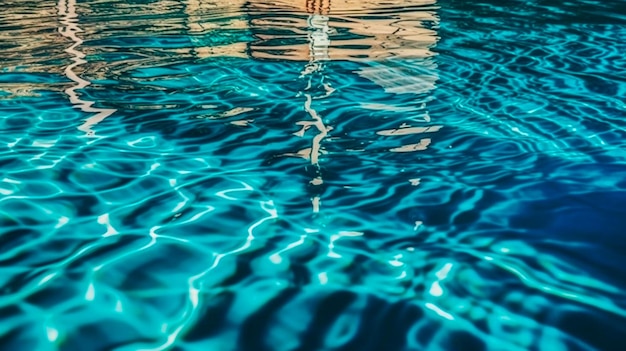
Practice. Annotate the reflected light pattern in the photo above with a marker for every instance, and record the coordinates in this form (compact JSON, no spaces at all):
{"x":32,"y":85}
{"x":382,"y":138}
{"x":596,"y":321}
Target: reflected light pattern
{"x":70,"y":30}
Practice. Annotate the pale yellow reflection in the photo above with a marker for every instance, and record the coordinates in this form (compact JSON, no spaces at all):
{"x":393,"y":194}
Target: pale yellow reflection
{"x":406,"y":130}
{"x":70,"y":28}
{"x":422,"y":145}
{"x":231,"y":113}
{"x":242,"y":123}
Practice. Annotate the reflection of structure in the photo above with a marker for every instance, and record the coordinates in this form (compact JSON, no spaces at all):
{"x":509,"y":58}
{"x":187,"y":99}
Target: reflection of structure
{"x":69,"y":19}
{"x":365,"y":30}
{"x":30,"y":48}
{"x":371,"y":29}
{"x":384,"y":35}
{"x":319,"y":44}
{"x":390,"y":39}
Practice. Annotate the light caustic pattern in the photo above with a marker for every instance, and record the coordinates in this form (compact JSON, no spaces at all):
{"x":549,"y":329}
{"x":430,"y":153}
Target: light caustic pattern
{"x":312,"y":175}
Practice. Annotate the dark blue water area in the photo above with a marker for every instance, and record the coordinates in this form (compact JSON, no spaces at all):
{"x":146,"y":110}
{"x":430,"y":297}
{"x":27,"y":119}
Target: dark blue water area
{"x":544,"y":77}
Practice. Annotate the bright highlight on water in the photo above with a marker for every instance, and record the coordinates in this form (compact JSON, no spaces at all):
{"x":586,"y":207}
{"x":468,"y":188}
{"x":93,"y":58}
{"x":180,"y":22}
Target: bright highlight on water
{"x":312,"y":175}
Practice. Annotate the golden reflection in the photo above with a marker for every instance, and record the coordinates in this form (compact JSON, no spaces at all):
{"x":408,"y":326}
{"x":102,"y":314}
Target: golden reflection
{"x":70,"y":28}
{"x":363,"y":30}
{"x":323,"y":30}
{"x":369,"y":31}
{"x":203,"y":17}
{"x":31,"y":45}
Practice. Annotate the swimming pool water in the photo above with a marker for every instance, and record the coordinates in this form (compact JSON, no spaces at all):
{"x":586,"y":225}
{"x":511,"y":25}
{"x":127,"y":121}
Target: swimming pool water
{"x":312,"y":175}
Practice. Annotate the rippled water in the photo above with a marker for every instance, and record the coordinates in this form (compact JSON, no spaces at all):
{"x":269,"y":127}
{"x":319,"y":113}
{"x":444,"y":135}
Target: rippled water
{"x":312,"y":175}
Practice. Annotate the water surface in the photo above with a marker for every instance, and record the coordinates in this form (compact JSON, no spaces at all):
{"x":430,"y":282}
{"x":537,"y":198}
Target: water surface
{"x":312,"y":175}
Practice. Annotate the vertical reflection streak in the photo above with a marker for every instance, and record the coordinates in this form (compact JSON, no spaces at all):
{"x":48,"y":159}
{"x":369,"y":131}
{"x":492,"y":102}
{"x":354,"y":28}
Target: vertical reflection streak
{"x":319,"y":43}
{"x":70,"y":28}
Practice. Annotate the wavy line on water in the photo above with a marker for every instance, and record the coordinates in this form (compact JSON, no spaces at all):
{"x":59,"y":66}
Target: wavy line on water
{"x":69,"y":18}
{"x":318,"y":52}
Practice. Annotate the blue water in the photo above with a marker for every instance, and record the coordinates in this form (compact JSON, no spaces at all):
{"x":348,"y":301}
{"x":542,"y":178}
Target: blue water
{"x":312,"y":175}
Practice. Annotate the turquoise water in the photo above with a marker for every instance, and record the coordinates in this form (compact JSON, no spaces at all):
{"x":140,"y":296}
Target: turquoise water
{"x":313,"y":175}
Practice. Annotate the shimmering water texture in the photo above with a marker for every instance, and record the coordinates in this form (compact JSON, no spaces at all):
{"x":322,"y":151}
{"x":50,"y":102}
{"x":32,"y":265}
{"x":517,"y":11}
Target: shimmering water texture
{"x":312,"y":175}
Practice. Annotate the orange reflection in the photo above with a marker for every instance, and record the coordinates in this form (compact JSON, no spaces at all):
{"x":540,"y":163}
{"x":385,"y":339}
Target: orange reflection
{"x":350,"y":30}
